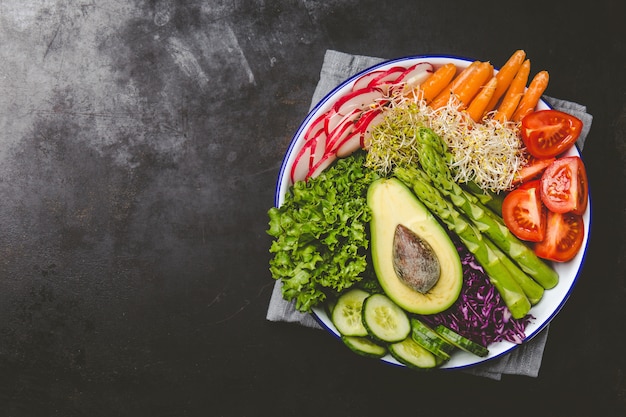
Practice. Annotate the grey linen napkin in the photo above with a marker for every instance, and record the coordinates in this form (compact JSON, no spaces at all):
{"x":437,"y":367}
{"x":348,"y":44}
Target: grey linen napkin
{"x":525,"y":360}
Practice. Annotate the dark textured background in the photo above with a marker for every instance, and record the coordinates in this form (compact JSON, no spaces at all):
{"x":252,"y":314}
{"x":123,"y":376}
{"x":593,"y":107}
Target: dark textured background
{"x":139,"y":147}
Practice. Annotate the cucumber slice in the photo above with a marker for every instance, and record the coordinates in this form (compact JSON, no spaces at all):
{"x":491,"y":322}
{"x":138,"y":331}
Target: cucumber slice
{"x":364,"y":346}
{"x":347,"y":313}
{"x":431,"y":340}
{"x":461,"y":342}
{"x":411,"y":354}
{"x":384,"y":319}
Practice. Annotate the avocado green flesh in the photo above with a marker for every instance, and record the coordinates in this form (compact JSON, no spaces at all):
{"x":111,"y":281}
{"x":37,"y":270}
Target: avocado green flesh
{"x":393,"y":204}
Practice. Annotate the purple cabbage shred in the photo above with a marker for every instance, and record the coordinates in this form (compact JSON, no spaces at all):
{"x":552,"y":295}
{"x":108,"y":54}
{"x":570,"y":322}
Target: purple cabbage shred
{"x":480,"y":313}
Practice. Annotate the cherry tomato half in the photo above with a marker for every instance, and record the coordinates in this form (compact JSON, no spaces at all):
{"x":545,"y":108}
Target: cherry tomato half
{"x":564,"y":237}
{"x":523,"y":212}
{"x":533,"y":169}
{"x":548,"y":133}
{"x":564,"y":186}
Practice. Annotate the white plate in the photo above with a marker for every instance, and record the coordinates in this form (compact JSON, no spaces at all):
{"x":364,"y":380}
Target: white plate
{"x":553,"y":299}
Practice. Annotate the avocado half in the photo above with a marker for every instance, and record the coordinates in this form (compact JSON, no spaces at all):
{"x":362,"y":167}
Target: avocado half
{"x":392,"y":204}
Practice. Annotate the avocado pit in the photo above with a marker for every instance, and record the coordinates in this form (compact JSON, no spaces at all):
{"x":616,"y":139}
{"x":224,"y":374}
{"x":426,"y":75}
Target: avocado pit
{"x":414,"y":260}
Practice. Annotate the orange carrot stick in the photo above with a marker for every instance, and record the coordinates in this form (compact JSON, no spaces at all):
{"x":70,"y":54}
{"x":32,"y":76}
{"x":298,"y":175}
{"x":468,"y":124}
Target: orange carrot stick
{"x":513,"y":94}
{"x":477,"y":106}
{"x":467,"y":90}
{"x":444,"y":96}
{"x":437,"y":81}
{"x":532,"y":95}
{"x":505,"y":77}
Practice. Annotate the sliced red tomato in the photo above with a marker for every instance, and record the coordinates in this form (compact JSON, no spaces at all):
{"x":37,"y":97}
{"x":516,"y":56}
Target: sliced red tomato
{"x":548,"y":133}
{"x":564,"y":186}
{"x":564,"y":237}
{"x":533,"y":169}
{"x":523,"y":212}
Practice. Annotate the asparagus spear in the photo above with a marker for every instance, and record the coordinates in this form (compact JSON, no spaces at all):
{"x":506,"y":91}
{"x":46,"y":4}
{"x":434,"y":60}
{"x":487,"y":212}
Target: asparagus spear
{"x":433,"y":159}
{"x":488,"y":198}
{"x":499,"y":275}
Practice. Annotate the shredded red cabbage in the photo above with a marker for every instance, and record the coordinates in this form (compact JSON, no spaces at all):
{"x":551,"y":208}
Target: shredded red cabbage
{"x":480,"y":314}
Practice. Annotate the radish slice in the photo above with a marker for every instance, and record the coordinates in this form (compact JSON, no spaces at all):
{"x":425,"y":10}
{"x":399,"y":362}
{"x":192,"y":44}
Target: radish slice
{"x":359,"y":99}
{"x":302,"y":164}
{"x":314,"y":127}
{"x":343,"y":129}
{"x":349,"y":145}
{"x":366,"y":132}
{"x":416,"y":74}
{"x":336,"y":120}
{"x":388,"y":77}
{"x":324,"y":163}
{"x":365,"y":79}
{"x":318,"y":149}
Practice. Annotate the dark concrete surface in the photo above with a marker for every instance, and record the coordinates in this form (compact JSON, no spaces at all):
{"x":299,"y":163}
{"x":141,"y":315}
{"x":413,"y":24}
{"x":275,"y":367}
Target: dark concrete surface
{"x":139,"y":147}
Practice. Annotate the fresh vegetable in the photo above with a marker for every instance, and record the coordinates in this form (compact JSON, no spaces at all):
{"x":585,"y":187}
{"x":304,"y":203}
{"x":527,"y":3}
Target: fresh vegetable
{"x":467,"y":90}
{"x":564,"y":186}
{"x":414,"y":76}
{"x":320,"y":233}
{"x":477,"y":106}
{"x":533,"y":169}
{"x":411,"y":354}
{"x":431,"y":340}
{"x":364,"y":346}
{"x":433,"y":157}
{"x":391,"y":204}
{"x":461,"y":342}
{"x":386,"y":114}
{"x":499,"y":275}
{"x":488,"y":198}
{"x":524,"y":214}
{"x":347,"y":313}
{"x":505,"y":77}
{"x":489,"y":153}
{"x":564,"y":237}
{"x":452,"y":88}
{"x":549,"y":133}
{"x":531,"y":288}
{"x":479,"y":314}
{"x":513,"y":94}
{"x":432,"y":86}
{"x":532,"y":95}
{"x":385,"y":320}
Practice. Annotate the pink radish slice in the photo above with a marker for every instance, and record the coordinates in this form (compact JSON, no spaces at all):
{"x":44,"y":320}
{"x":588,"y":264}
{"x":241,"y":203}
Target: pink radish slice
{"x":314,"y":127}
{"x":365,"y":79}
{"x":324,"y":163}
{"x":343,"y":130}
{"x":318,"y":148}
{"x":416,"y":74}
{"x":388,"y":77}
{"x":359,"y":99}
{"x":302,"y":164}
{"x":366,"y":130}
{"x":349,"y":145}
{"x":354,"y":140}
{"x":336,"y":120}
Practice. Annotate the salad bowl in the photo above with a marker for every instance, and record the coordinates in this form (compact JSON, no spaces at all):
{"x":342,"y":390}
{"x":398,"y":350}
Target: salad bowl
{"x":540,"y":314}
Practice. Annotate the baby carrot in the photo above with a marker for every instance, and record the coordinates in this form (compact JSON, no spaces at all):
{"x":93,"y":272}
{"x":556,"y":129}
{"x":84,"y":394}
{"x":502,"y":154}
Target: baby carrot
{"x":477,"y":106}
{"x":466,"y":91}
{"x":437,"y":82}
{"x":513,"y":94}
{"x":505,"y":77}
{"x":444,"y":96}
{"x":532,"y":95}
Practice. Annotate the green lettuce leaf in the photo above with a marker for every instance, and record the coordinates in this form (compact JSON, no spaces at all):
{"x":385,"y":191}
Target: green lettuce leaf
{"x":320,"y":233}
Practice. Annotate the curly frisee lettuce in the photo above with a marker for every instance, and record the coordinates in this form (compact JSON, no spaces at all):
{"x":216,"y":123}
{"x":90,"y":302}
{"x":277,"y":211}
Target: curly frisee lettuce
{"x":321,"y":240}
